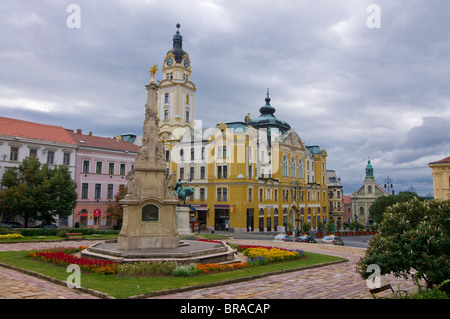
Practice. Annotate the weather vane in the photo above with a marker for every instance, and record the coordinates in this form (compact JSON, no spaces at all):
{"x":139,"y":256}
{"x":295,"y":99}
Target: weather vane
{"x":153,"y":70}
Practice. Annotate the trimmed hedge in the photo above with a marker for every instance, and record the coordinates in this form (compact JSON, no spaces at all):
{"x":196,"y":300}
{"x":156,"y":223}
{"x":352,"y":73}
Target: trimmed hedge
{"x":59,"y":231}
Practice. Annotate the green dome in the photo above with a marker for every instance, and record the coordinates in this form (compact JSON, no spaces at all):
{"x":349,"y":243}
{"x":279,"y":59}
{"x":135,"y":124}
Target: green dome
{"x":267,"y":119}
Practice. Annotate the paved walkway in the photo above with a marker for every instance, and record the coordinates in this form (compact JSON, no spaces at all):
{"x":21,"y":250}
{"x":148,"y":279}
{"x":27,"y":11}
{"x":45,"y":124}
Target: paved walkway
{"x":338,"y":281}
{"x":16,"y":285}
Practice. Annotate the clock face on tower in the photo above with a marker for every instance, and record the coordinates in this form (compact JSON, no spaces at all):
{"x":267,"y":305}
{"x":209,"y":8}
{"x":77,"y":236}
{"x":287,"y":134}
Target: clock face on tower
{"x":169,"y":62}
{"x":186,"y":63}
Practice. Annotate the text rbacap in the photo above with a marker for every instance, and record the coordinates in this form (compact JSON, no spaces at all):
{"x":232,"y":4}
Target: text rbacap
{"x":250,"y":308}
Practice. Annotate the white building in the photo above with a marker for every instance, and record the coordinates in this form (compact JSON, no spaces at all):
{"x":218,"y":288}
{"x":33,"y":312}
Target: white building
{"x":50,"y":144}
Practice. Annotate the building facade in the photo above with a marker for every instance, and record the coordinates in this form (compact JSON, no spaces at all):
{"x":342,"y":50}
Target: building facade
{"x":255,"y":174}
{"x":335,"y":193}
{"x":102,"y":165}
{"x":440,"y":171}
{"x":50,"y":144}
{"x":365,"y":196}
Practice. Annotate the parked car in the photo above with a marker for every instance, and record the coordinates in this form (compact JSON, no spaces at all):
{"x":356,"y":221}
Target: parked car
{"x":333,"y":240}
{"x":5,"y":225}
{"x":14,"y":224}
{"x":306,"y":239}
{"x":282,"y":237}
{"x":46,"y":226}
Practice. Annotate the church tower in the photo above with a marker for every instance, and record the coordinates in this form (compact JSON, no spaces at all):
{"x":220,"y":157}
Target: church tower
{"x":369,"y":171}
{"x":176,"y":94}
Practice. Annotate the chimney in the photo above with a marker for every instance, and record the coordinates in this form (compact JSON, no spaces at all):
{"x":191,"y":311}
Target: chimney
{"x":79,"y":131}
{"x":90,"y":133}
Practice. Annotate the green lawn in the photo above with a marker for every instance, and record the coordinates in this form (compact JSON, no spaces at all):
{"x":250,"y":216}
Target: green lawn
{"x":124,"y":287}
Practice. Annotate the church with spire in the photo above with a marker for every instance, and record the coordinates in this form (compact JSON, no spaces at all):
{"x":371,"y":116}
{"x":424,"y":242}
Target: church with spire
{"x":364,"y":197}
{"x":250,"y":175}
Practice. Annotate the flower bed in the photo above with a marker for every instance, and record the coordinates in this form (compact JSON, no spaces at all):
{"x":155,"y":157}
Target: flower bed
{"x":272,"y":254}
{"x":258,"y":255}
{"x":62,"y":257}
{"x":207,"y":268}
{"x":11,"y":236}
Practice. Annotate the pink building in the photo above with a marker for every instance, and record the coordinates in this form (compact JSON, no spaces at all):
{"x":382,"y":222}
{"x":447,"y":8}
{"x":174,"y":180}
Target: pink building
{"x":101,"y":167}
{"x":347,"y":215}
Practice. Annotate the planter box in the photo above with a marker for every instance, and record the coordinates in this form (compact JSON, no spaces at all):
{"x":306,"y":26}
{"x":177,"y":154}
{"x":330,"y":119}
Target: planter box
{"x":344,"y":233}
{"x":338,"y":233}
{"x":350,"y":233}
{"x":319,"y":235}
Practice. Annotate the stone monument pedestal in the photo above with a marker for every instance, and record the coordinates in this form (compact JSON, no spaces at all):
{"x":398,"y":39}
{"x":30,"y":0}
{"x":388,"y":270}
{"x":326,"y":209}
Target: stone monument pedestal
{"x":148,"y":224}
{"x":182,"y":221}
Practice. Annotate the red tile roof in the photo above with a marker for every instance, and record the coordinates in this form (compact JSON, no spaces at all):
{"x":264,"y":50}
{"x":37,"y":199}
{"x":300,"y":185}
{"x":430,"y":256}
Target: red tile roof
{"x":107,"y":143}
{"x":445,"y":160}
{"x":36,"y":131}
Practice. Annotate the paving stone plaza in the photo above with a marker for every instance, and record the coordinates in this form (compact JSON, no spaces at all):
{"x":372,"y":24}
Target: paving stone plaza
{"x":338,"y":281}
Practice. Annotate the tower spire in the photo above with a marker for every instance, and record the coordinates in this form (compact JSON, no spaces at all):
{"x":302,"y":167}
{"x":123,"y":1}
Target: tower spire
{"x":177,"y":38}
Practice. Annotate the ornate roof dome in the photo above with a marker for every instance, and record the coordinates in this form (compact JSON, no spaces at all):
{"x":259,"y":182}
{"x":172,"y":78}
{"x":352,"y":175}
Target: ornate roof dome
{"x":177,"y":49}
{"x":267,"y":119}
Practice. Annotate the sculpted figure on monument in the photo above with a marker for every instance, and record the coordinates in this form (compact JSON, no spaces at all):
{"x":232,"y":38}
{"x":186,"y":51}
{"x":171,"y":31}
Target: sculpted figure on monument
{"x":182,"y":192}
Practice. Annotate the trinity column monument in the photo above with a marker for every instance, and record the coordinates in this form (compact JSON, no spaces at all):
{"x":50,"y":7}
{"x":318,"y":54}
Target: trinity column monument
{"x":149,"y":208}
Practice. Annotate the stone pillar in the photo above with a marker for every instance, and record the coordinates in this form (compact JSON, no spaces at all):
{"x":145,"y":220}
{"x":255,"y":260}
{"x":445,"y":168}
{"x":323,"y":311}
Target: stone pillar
{"x":182,"y":221}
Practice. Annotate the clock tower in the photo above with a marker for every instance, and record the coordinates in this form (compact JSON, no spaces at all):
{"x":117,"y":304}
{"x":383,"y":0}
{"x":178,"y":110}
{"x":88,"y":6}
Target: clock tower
{"x":176,"y":91}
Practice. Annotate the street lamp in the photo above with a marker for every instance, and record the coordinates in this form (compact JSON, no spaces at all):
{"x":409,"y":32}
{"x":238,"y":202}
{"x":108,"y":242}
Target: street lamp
{"x":388,"y":183}
{"x":295,"y":187}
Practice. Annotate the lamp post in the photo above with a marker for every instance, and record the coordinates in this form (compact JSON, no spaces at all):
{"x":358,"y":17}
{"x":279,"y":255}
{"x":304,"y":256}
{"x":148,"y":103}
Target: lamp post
{"x":388,"y":184}
{"x":295,"y":188}
{"x":412,"y":189}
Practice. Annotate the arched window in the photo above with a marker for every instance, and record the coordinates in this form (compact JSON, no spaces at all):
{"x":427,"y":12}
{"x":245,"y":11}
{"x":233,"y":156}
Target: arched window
{"x":293,"y":166}
{"x":300,"y":169}
{"x":369,"y":189}
{"x":285,"y":165}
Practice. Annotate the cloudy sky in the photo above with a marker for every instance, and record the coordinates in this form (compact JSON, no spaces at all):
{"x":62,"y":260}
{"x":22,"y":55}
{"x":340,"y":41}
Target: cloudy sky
{"x":360,"y":82}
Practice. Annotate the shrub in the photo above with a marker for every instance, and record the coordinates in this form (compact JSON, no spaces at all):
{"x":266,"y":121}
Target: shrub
{"x":7,"y":230}
{"x":185,"y":271}
{"x":258,"y":261}
{"x":413,"y":235}
{"x":143,"y":268}
{"x":440,"y":291}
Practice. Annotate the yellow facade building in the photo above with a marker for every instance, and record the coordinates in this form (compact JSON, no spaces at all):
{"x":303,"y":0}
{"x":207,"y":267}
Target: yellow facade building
{"x":255,"y":174}
{"x":441,"y":178}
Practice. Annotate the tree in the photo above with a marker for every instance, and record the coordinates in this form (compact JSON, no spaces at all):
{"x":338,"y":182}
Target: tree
{"x":379,"y":206}
{"x":414,"y":235}
{"x":38,"y":191}
{"x":116,"y":209}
